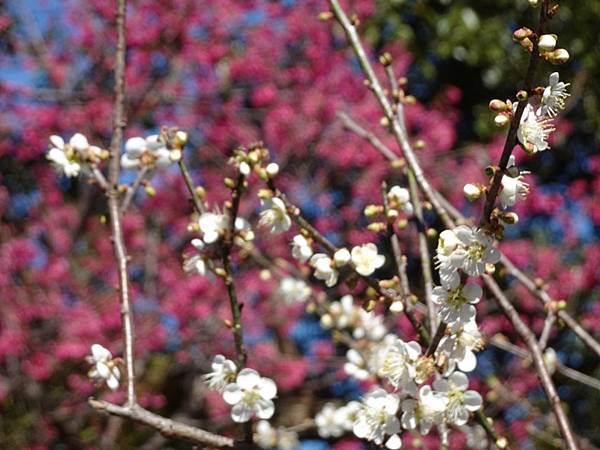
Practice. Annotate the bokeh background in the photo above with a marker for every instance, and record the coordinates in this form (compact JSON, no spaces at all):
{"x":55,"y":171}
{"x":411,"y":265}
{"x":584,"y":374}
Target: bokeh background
{"x":233,"y":72}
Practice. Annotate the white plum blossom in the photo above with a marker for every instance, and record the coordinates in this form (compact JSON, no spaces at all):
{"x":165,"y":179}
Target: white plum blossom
{"x":366,"y":259}
{"x":196,"y":262}
{"x":250,"y":395}
{"x":293,"y":290}
{"x":324,"y":269}
{"x":267,"y":437}
{"x":356,"y":366}
{"x":399,"y":365}
{"x":214,"y":224}
{"x":476,"y":437}
{"x":424,"y":411}
{"x":301,"y":249}
{"x":223,"y":373}
{"x":148,"y":152}
{"x":377,"y":419}
{"x":70,"y":158}
{"x":460,"y":346}
{"x":104,"y":368}
{"x":342,"y":257}
{"x":345,"y":314}
{"x":513,"y":186}
{"x":369,"y":325}
{"x":274,"y":215}
{"x":456,"y":305}
{"x":330,"y":421}
{"x":461,"y":401}
{"x":471,"y":253}
{"x":399,"y":198}
{"x":554,"y":96}
{"x":534,"y":130}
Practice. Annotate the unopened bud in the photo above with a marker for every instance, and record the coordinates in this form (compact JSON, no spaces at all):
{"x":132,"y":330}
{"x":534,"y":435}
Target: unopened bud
{"x":501,"y":120}
{"x":175,"y":155}
{"x":384,"y":122}
{"x":325,"y":16}
{"x":150,"y":190}
{"x":534,"y":3}
{"x":419,"y":144}
{"x":559,"y":56}
{"x":498,"y":105}
{"x":522,"y":95}
{"x":397,"y":307}
{"x":272,"y":169}
{"x":341,"y":257}
{"x":522,"y":33}
{"x":386,"y":59}
{"x":244,"y":168}
{"x":410,"y":100}
{"x":399,"y":163}
{"x":181,"y":138}
{"x":510,"y":218}
{"x":373,"y":210}
{"x":229,"y":183}
{"x":501,"y":442}
{"x":547,"y":42}
{"x":376,"y":227}
{"x":472,"y":192}
{"x":200,"y":192}
{"x":392,"y":214}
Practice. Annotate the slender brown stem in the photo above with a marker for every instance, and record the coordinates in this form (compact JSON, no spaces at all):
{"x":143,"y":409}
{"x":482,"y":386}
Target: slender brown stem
{"x":131,"y":190}
{"x":538,"y":361}
{"x":167,"y":427}
{"x":190,"y":186}
{"x":113,"y":202}
{"x":511,"y":138}
{"x":423,"y":252}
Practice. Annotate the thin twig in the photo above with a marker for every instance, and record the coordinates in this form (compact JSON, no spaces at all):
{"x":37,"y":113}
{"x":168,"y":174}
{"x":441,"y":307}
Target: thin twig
{"x":131,"y":190}
{"x":538,"y":360}
{"x":113,"y":202}
{"x":423,"y":252}
{"x":190,"y":186}
{"x":545,"y":335}
{"x":167,"y":427}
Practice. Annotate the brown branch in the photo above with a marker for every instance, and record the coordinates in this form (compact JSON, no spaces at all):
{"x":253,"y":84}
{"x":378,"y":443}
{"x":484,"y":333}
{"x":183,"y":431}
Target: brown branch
{"x":190,"y":186}
{"x":167,"y":427}
{"x":113,"y":202}
{"x":511,"y":138}
{"x":131,"y":190}
{"x":538,"y":361}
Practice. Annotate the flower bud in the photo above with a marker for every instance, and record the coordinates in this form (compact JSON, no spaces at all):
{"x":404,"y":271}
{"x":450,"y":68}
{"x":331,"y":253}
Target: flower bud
{"x":341,"y":257}
{"x":522,"y":33}
{"x":385,"y":59}
{"x":498,"y":105}
{"x":373,"y":210}
{"x":200,"y":192}
{"x":244,"y":168}
{"x":559,"y":56}
{"x":272,"y":169}
{"x":501,"y":120}
{"x":534,"y":3}
{"x":472,"y":192}
{"x":181,"y":138}
{"x":325,"y":16}
{"x":150,"y":190}
{"x":522,"y":95}
{"x":547,"y":42}
{"x":396,"y":307}
{"x":175,"y":155}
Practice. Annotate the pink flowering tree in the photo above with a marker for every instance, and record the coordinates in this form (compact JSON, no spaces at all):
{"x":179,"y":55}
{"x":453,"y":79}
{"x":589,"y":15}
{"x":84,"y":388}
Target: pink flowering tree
{"x":232,"y":224}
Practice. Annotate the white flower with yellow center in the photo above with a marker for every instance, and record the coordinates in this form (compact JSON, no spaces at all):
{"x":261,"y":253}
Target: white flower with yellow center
{"x":461,"y":401}
{"x":554,"y":96}
{"x":399,"y":365}
{"x":377,"y":419}
{"x":67,"y":158}
{"x":324,"y":269}
{"x":267,"y":437}
{"x":148,"y":152}
{"x":301,"y":249}
{"x":105,"y":368}
{"x":274,"y":215}
{"x":328,"y":422}
{"x":534,"y":130}
{"x":456,"y":305}
{"x":399,"y":198}
{"x":460,"y":346}
{"x":223,"y":372}
{"x":292,"y":290}
{"x":424,"y":411}
{"x":473,"y":251}
{"x":250,"y":395}
{"x":366,"y":259}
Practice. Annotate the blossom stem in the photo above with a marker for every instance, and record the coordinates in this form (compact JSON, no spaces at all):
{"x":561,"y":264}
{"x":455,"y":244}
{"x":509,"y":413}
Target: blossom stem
{"x":511,"y":138}
{"x":398,"y":256}
{"x":167,"y":427}
{"x":113,"y":202}
{"x":190,"y":186}
{"x":131,"y":190}
{"x":536,"y":354}
{"x":226,"y":248}
{"x":423,"y":251}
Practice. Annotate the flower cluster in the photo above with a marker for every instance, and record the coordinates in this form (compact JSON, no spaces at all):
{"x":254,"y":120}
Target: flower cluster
{"x":70,"y":158}
{"x":150,"y":152}
{"x":104,"y":368}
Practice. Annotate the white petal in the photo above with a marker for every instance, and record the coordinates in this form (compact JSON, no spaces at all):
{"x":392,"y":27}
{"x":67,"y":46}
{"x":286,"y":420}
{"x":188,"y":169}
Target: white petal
{"x":135,"y":146}
{"x":103,"y":370}
{"x":267,"y":388}
{"x":469,"y":362}
{"x":265,"y":409}
{"x":241,"y":413}
{"x":232,"y":394}
{"x":79,"y":142}
{"x":394,"y":442}
{"x":472,"y":292}
{"x":459,"y":381}
{"x":100,"y":353}
{"x":472,"y":400}
{"x":57,"y":141}
{"x":127,"y":163}
{"x":248,"y":379}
